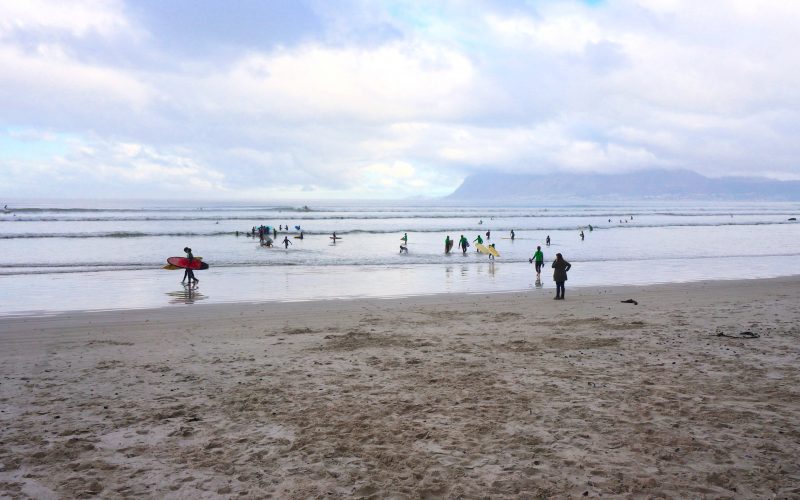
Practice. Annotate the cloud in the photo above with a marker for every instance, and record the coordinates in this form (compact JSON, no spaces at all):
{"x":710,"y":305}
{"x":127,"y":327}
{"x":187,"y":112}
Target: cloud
{"x":392,"y":99}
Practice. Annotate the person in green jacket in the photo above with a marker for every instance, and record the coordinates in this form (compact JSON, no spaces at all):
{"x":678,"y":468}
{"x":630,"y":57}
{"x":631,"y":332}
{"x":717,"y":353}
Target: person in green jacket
{"x":538,"y":257}
{"x":478,"y":240}
{"x":463,"y":243}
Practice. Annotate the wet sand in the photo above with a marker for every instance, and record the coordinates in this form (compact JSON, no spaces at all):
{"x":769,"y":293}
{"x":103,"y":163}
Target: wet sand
{"x":451,"y":396}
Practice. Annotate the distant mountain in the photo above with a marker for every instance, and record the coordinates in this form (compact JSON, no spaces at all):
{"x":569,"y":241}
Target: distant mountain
{"x":645,"y":184}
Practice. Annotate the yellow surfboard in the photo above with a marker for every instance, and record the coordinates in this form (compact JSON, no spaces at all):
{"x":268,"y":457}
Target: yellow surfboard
{"x":493,"y":251}
{"x":481,"y":248}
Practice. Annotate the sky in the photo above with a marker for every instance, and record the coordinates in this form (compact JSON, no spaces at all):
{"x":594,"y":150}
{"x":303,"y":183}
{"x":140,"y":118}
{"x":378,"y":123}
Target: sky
{"x":275,"y":99}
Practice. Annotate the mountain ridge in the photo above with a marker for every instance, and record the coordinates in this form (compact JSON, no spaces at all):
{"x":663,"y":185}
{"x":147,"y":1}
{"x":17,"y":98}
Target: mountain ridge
{"x":642,"y":184}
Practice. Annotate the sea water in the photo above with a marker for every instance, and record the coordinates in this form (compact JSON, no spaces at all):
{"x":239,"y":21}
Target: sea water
{"x":69,"y":255}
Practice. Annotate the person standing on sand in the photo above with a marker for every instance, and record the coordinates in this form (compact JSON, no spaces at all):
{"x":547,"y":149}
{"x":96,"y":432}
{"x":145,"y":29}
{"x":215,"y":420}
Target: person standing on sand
{"x":188,"y":273}
{"x":538,"y":258}
{"x":561,"y":267}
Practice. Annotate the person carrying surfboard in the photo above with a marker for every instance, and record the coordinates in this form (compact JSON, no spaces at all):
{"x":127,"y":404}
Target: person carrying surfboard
{"x":463,"y":243}
{"x":188,"y":273}
{"x":405,"y":238}
{"x":478,"y":240}
{"x":448,"y":244}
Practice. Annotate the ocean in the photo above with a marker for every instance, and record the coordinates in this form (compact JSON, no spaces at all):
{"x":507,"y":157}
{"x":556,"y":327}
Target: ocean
{"x":96,"y":255}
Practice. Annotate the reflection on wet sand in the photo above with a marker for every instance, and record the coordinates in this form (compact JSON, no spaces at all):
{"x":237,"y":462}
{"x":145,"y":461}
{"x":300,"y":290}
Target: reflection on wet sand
{"x":188,"y":295}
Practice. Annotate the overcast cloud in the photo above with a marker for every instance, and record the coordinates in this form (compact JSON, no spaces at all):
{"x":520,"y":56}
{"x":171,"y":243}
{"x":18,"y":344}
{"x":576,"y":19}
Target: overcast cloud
{"x":265,"y":99}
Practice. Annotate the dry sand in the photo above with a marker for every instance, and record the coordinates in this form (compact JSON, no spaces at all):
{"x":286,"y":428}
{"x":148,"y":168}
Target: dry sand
{"x":455,"y":396}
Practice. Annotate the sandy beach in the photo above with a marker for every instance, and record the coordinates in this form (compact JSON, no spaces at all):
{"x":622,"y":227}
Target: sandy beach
{"x":448,"y":396}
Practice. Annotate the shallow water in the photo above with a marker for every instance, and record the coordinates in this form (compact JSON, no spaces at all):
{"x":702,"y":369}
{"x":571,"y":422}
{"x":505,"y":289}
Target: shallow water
{"x":97,"y":255}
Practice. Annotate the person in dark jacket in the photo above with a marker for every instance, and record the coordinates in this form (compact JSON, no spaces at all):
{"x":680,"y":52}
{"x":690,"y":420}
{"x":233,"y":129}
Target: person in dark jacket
{"x":561,"y":267}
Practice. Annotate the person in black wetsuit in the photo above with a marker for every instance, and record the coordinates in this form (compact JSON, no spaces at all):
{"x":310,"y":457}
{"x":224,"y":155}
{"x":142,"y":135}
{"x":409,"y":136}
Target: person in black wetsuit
{"x":188,"y":273}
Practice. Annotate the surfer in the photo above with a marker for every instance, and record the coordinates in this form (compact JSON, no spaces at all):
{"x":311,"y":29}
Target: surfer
{"x":286,"y":242}
{"x":547,"y":241}
{"x":488,"y":235}
{"x":479,"y":240}
{"x":581,"y":234}
{"x":334,"y":237}
{"x":561,"y":267}
{"x":448,"y":244}
{"x":301,"y":236}
{"x":538,"y":258}
{"x":405,"y":238}
{"x":463,"y":243}
{"x":274,"y":233}
{"x":491,"y":256}
{"x":512,"y":235}
{"x":188,"y":273}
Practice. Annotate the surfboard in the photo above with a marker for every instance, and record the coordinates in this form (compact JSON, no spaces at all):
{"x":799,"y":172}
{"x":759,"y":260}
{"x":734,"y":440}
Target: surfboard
{"x":336,"y":238}
{"x":481,"y":248}
{"x":299,"y":238}
{"x":493,"y":251}
{"x":183,"y":263}
{"x":172,"y":267}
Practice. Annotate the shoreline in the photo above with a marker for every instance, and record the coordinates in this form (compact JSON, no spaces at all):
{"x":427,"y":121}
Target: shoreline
{"x":418,"y":299}
{"x":503,"y":394}
{"x":147,"y":290}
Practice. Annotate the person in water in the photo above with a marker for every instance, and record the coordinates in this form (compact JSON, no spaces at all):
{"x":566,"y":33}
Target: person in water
{"x":561,"y":267}
{"x":448,"y":244}
{"x":286,"y":242}
{"x":188,"y":273}
{"x":479,"y":240}
{"x":488,"y":235}
{"x":405,"y":238}
{"x":582,"y":235}
{"x":463,"y":243}
{"x":274,"y":233}
{"x":301,"y":235}
{"x":491,"y":257}
{"x":512,"y":235}
{"x":538,"y":258}
{"x":547,"y":241}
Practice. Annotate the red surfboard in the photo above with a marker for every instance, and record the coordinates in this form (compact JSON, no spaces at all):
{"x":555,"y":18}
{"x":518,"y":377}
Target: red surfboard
{"x":184,"y":263}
